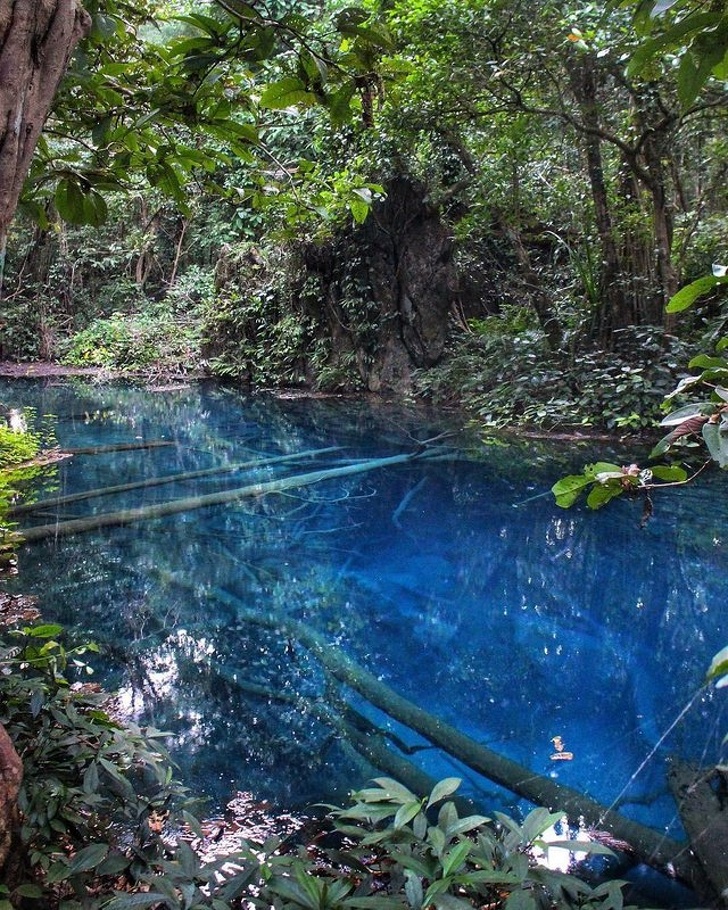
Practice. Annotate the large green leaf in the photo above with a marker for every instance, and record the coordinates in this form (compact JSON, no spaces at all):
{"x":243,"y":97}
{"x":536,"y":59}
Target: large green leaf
{"x":287,"y":92}
{"x":717,"y":443}
{"x":88,"y":858}
{"x":69,"y":201}
{"x":687,"y":296}
{"x":602,"y":493}
{"x":568,"y":489}
{"x":670,"y":473}
{"x":443,"y":789}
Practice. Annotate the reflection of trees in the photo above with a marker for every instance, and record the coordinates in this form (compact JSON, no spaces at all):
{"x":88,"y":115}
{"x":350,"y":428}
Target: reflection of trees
{"x":514,"y":624}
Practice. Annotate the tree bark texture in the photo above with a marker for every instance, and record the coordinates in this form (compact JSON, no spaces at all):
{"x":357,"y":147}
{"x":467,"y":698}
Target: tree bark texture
{"x":37,"y":38}
{"x":11,"y":776}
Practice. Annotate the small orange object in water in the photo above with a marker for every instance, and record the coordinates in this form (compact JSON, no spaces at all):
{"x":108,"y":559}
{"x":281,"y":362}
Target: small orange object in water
{"x":560,"y":754}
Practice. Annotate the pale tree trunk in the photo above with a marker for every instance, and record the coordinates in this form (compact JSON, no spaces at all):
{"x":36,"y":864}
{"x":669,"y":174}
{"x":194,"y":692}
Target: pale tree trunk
{"x":37,"y":38}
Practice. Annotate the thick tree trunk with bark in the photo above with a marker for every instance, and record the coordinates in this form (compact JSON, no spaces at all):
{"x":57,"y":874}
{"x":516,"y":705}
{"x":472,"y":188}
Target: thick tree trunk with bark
{"x":11,"y":775}
{"x":37,"y":38}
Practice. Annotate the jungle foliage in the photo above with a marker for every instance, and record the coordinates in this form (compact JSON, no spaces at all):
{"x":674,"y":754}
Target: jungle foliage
{"x":182,"y":130}
{"x":203,"y":135}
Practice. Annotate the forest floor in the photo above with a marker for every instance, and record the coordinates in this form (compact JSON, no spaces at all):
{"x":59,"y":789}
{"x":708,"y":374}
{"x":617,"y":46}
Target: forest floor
{"x":43,"y":369}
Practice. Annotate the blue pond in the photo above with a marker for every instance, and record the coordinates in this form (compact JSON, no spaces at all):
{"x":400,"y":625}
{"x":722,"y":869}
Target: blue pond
{"x":455,"y":581}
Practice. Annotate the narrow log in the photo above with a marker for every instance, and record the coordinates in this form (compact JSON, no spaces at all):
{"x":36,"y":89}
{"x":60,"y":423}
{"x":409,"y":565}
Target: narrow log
{"x":159,"y":481}
{"x":648,"y":845}
{"x":160,"y":510}
{"x":120,"y":447}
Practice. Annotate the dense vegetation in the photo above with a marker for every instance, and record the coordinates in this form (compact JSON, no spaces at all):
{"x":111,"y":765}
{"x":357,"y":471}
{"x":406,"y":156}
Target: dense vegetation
{"x":538,"y":188}
{"x":483,"y":202}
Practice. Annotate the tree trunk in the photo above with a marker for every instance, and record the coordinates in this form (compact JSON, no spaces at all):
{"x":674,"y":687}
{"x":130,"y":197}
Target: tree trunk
{"x":615,"y":310}
{"x":37,"y":38}
{"x":11,"y":776}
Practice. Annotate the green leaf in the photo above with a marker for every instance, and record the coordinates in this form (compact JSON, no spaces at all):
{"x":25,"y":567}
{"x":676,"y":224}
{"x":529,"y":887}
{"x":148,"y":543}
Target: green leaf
{"x":568,"y":489}
{"x":537,"y":821}
{"x":580,"y":846}
{"x":287,"y":92}
{"x":670,"y":473}
{"x":29,"y":891}
{"x":450,"y":902}
{"x":46,"y":630}
{"x":717,"y":444}
{"x":95,"y":210}
{"x":456,"y":857}
{"x":674,"y":418}
{"x":114,"y":863}
{"x":88,"y":858}
{"x":521,"y":900}
{"x":706,"y":362}
{"x":359,"y":209}
{"x":443,"y":789}
{"x":413,"y":889}
{"x":687,"y":296}
{"x":406,"y":813}
{"x":69,"y":201}
{"x":91,"y":778}
{"x":602,"y":493}
{"x":394,"y":790}
{"x":464,"y":825}
{"x":718,"y":665}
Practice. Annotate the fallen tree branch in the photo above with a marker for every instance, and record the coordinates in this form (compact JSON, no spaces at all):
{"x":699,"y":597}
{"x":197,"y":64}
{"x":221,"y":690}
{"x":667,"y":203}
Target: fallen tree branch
{"x":160,"y":510}
{"x":159,"y":481}
{"x":649,"y":846}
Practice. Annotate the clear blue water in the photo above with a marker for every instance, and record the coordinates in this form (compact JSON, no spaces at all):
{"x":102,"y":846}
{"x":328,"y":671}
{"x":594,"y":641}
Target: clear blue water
{"x":454,"y":581}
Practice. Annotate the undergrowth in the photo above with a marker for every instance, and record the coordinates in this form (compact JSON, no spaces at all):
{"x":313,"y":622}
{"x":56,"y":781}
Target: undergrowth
{"x":509,"y":378}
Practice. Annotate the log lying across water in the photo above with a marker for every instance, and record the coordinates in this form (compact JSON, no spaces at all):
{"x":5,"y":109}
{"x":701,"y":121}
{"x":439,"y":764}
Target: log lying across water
{"x":162,"y":509}
{"x":648,"y":845}
{"x":121,"y":447}
{"x":44,"y":504}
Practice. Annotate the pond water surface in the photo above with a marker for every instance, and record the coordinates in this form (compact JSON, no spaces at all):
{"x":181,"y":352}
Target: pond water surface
{"x":454,"y":581}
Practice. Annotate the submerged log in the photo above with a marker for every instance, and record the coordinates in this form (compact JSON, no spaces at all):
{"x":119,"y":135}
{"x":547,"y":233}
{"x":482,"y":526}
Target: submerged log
{"x":648,"y":846}
{"x":701,"y":797}
{"x":44,"y":504}
{"x":121,"y":447}
{"x":160,"y":510}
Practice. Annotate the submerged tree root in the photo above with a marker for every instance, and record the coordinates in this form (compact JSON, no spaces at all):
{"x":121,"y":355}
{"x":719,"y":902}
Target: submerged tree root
{"x":648,"y":846}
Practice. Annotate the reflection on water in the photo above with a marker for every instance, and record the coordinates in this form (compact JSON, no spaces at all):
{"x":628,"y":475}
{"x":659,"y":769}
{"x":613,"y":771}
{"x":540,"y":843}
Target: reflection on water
{"x":454,"y":581}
